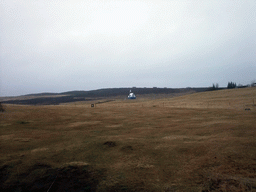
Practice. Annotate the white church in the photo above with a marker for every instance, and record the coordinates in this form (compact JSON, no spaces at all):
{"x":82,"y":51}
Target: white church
{"x":131,"y":95}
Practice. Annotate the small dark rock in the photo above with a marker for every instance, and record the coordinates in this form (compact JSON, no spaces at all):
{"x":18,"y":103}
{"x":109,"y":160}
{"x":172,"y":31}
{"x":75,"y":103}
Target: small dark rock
{"x":110,"y":144}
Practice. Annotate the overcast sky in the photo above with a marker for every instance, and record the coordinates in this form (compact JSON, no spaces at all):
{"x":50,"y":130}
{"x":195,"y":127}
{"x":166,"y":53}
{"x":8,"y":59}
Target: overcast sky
{"x":64,"y":45}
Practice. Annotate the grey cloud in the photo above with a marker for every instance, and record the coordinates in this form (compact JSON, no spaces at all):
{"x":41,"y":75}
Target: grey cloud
{"x":62,"y":45}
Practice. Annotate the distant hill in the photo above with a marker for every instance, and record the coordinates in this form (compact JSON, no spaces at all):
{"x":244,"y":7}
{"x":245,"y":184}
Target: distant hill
{"x":42,"y":94}
{"x":72,"y":96}
{"x":112,"y":92}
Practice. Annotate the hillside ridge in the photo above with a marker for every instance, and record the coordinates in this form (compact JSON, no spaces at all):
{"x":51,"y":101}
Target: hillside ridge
{"x":72,"y":96}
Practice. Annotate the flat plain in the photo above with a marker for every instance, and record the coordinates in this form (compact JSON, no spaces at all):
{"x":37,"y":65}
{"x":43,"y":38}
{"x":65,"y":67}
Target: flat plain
{"x":197,"y":142}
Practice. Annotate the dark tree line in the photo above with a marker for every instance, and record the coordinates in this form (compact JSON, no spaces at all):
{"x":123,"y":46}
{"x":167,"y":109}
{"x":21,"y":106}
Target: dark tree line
{"x":215,"y":86}
{"x":231,"y":85}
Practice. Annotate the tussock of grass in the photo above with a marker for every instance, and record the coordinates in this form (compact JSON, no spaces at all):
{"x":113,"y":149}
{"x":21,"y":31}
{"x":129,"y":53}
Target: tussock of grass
{"x":217,"y":182}
{"x":42,"y":177}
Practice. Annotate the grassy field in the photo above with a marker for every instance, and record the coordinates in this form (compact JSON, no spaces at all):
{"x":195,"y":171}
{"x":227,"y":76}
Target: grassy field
{"x":198,"y":142}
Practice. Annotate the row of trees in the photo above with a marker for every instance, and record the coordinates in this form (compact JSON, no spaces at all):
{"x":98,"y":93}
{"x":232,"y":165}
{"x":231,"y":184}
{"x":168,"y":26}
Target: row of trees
{"x":215,"y":86}
{"x":232,"y":85}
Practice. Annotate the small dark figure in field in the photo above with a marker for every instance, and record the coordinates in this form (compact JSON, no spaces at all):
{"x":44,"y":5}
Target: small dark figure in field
{"x":110,"y":144}
{"x":1,"y":108}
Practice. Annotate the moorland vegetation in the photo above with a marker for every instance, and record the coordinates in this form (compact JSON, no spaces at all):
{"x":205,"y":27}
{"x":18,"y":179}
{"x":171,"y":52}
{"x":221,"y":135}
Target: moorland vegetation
{"x":203,"y":141}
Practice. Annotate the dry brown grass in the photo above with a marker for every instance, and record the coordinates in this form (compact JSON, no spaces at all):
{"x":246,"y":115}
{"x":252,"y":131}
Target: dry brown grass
{"x":199,"y":142}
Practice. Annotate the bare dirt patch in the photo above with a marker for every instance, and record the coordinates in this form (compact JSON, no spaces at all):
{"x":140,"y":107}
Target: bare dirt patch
{"x":82,"y":123}
{"x":7,"y":137}
{"x":39,"y":150}
{"x":114,"y":126}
